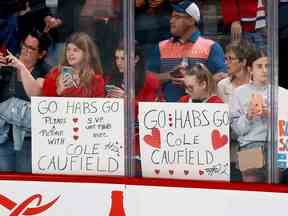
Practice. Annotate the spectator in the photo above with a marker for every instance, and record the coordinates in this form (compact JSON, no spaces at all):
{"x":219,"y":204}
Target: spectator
{"x":103,"y":21}
{"x":15,"y":110}
{"x":200,"y":86}
{"x":249,"y":117}
{"x":61,"y":25}
{"x":147,"y":88}
{"x":11,"y":7}
{"x":151,"y":23}
{"x":246,"y":18}
{"x":85,"y":79}
{"x":236,"y":54}
{"x":187,"y":46}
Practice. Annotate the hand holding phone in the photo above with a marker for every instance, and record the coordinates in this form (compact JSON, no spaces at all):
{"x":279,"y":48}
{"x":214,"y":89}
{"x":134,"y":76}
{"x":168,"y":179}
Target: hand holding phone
{"x":109,"y":88}
{"x":113,"y":91}
{"x":68,"y":77}
{"x":178,"y":72}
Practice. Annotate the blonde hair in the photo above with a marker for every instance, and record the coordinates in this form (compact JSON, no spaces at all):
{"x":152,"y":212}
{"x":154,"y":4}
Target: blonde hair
{"x":203,"y":74}
{"x":91,"y":58}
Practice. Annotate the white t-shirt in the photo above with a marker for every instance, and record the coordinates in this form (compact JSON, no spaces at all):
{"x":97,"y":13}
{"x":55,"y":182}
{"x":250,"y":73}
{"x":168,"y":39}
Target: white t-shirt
{"x":225,"y":89}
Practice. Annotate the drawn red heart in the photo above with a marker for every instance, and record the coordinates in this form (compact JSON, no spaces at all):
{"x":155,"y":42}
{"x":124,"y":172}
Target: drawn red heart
{"x":154,"y":139}
{"x":201,"y":172}
{"x":218,"y":141}
{"x":171,"y":172}
{"x":157,"y":171}
{"x":75,"y":120}
{"x":75,"y":137}
{"x":186,"y":172}
{"x":76,"y":129}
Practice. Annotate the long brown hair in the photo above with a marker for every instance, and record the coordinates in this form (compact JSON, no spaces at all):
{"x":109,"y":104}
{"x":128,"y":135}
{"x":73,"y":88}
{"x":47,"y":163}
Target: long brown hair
{"x":139,"y":68}
{"x":203,"y":74}
{"x":91,"y":57}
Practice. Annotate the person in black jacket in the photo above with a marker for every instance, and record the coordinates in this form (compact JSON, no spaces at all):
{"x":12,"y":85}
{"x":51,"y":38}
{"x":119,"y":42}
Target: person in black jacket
{"x":15,"y":146}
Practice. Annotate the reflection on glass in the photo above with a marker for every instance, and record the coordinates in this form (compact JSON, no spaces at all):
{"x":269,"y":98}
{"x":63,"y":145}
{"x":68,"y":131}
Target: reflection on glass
{"x":199,"y":32}
{"x":59,"y":35}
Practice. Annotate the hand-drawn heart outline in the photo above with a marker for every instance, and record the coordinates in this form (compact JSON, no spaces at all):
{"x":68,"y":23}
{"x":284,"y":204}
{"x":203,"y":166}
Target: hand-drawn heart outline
{"x":75,"y":129}
{"x":154,"y":139}
{"x":75,"y":120}
{"x":218,"y":141}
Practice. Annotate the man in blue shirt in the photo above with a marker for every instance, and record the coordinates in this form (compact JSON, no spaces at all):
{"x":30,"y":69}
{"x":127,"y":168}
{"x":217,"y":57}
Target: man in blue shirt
{"x":185,"y":48}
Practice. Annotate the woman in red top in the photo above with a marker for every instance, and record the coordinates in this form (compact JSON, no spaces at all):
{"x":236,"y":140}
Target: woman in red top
{"x":79,"y":73}
{"x":200,"y":86}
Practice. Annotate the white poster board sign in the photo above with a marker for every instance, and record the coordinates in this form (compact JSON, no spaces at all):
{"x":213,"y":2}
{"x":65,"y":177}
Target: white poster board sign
{"x":78,"y":136}
{"x":282,"y":154}
{"x":184,"y":140}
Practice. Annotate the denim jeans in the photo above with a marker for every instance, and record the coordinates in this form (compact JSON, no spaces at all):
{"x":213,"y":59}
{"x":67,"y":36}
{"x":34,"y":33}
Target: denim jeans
{"x":258,"y":38}
{"x":16,"y":112}
{"x":7,"y":157}
{"x":23,"y":157}
{"x":4,"y":130}
{"x":16,"y":161}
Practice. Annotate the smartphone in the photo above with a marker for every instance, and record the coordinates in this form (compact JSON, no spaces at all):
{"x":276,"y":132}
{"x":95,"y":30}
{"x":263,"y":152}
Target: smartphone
{"x":67,"y":72}
{"x":110,"y":87}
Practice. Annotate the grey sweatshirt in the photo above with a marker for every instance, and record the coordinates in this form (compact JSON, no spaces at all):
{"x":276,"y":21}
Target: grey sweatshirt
{"x":248,"y":131}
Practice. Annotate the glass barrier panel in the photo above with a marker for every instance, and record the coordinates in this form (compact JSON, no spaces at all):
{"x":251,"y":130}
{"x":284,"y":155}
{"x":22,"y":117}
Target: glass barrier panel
{"x":203,"y":90}
{"x":62,"y":108}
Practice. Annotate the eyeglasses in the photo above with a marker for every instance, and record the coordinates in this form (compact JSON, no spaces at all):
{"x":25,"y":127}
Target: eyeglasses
{"x":230,"y":59}
{"x":28,"y":47}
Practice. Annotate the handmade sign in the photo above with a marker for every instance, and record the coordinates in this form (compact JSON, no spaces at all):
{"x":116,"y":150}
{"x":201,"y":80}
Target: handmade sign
{"x":184,"y":140}
{"x":282,"y":155}
{"x":78,"y":136}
